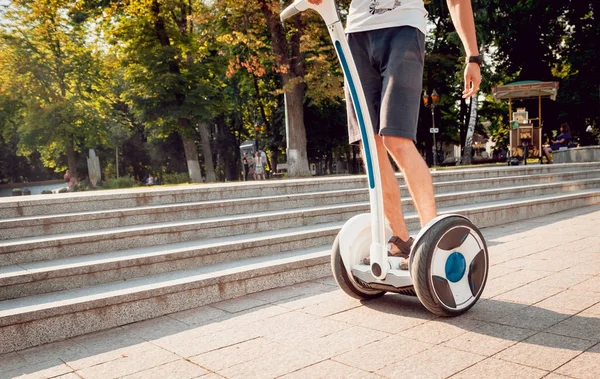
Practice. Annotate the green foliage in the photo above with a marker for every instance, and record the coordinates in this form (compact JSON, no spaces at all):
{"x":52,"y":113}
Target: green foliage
{"x":46,"y":192}
{"x":175,"y":178}
{"x":122,"y":182}
{"x":63,"y":190}
{"x":17,"y":192}
{"x":139,"y":75}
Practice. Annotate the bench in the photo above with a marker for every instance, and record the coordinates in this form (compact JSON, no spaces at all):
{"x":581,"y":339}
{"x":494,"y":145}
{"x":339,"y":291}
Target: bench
{"x":280,"y":170}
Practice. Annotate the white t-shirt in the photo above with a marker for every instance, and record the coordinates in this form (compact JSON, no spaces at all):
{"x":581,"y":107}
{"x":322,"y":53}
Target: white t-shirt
{"x":379,"y":14}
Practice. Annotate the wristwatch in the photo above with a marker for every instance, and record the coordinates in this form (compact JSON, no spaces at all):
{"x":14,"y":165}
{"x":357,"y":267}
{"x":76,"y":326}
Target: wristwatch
{"x":475,"y":59}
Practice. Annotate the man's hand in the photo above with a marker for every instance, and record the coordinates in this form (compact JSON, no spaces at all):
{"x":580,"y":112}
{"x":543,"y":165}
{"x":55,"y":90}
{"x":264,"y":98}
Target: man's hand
{"x":472,"y":80}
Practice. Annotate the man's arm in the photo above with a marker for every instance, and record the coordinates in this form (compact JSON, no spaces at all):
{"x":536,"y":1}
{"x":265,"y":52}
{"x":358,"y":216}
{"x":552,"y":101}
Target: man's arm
{"x":462,"y":18}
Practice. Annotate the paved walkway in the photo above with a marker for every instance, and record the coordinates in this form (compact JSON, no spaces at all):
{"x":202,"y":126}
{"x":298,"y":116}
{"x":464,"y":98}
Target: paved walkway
{"x":539,"y":317}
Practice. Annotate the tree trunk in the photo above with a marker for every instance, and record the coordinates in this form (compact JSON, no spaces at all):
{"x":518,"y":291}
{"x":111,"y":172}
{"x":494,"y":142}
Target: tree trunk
{"x":72,"y":158}
{"x":291,"y":62}
{"x":191,"y":155}
{"x":297,"y":159}
{"x":470,"y":130}
{"x":207,"y":152}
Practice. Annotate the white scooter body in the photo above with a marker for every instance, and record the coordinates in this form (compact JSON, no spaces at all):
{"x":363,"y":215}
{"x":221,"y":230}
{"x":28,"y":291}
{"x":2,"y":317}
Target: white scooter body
{"x":378,"y":246}
{"x":451,"y":252}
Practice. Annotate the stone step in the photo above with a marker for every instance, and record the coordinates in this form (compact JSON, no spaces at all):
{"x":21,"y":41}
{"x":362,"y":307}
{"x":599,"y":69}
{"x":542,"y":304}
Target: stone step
{"x":61,"y":274}
{"x":38,"y":319}
{"x":22,"y":227}
{"x":39,"y":205}
{"x":32,"y":249}
{"x":45,"y":318}
{"x":26,"y":279}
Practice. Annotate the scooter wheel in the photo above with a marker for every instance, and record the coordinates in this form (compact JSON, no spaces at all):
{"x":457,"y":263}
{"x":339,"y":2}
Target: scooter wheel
{"x":344,"y":281}
{"x":450,"y":266}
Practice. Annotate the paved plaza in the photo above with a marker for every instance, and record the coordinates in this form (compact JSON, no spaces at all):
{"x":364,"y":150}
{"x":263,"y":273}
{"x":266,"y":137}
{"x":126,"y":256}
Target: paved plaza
{"x":539,"y":316}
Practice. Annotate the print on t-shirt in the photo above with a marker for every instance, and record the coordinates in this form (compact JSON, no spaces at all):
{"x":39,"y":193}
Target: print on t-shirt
{"x":374,"y":10}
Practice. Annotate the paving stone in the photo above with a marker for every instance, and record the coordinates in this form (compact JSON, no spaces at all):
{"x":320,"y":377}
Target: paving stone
{"x":586,"y":365}
{"x":495,"y":368}
{"x":553,"y":375}
{"x":497,"y":271}
{"x":528,"y":294}
{"x":594,"y":310}
{"x":297,"y":325}
{"x":437,"y":362}
{"x":198,"y":316}
{"x":563,"y":279}
{"x":280,"y":361}
{"x":11,"y":361}
{"x":336,"y":343}
{"x":306,"y":301}
{"x":68,"y":376}
{"x":154,"y":328}
{"x":63,"y":350}
{"x":278,"y":294}
{"x":212,"y":375}
{"x":538,"y":264}
{"x":441,"y":329}
{"x":544,"y":351}
{"x":101,"y":347}
{"x":47,"y":369}
{"x":330,"y":370}
{"x":535,"y":318}
{"x":591,"y":285}
{"x":238,"y":304}
{"x":332,"y":303}
{"x":179,"y":369}
{"x":387,"y":351}
{"x":489,"y":339}
{"x":582,"y":325}
{"x":203,"y":326}
{"x":587,"y":268}
{"x":385,"y":322}
{"x":196,"y":342}
{"x":492,"y":310}
{"x":131,"y":361}
{"x":235,"y":354}
{"x":328,"y":281}
{"x":510,"y":282}
{"x":572,"y":299}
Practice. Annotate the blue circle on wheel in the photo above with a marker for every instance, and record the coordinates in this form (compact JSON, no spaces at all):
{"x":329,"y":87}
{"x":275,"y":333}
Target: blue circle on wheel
{"x":455,"y":267}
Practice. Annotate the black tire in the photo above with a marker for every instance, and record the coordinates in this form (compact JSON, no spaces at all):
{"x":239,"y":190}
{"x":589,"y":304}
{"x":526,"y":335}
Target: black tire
{"x":349,"y":286}
{"x":421,"y":267}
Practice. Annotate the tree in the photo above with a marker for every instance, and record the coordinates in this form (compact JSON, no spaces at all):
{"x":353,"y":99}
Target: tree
{"x":54,"y":71}
{"x":169,"y":73}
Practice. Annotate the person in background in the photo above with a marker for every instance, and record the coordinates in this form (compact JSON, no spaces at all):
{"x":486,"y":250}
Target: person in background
{"x":263,"y":156}
{"x":561,"y":141}
{"x":246,"y":164}
{"x":259,"y":167}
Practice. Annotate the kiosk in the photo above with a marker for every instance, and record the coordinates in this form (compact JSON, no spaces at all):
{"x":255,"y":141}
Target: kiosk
{"x":525,"y":136}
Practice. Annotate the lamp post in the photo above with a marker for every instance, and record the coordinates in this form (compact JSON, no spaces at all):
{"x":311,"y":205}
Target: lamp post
{"x":432,"y":102}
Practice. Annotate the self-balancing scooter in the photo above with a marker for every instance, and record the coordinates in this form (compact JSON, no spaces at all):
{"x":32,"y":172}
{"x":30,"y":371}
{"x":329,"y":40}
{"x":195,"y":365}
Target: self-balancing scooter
{"x":448,"y":264}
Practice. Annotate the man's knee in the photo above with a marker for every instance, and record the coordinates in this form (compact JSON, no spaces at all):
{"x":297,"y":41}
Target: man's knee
{"x":398,"y":144}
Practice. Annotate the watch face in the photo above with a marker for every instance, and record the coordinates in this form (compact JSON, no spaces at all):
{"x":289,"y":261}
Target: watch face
{"x":477,"y":59}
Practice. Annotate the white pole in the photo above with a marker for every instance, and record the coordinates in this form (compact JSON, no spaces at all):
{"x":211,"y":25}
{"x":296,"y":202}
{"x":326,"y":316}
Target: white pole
{"x":117,"y":159}
{"x":287,"y":124}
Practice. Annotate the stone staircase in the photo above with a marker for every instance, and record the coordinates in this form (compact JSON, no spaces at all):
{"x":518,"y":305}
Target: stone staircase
{"x":76,"y":263}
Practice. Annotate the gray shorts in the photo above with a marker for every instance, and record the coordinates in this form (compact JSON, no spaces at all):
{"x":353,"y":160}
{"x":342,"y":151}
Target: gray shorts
{"x":390,"y":66}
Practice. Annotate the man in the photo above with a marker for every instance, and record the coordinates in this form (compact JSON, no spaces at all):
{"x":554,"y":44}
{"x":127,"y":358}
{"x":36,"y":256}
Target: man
{"x":387,"y":40}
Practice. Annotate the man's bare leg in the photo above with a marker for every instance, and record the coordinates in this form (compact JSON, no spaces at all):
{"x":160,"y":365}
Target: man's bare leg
{"x":416,"y":174}
{"x":391,"y":192}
